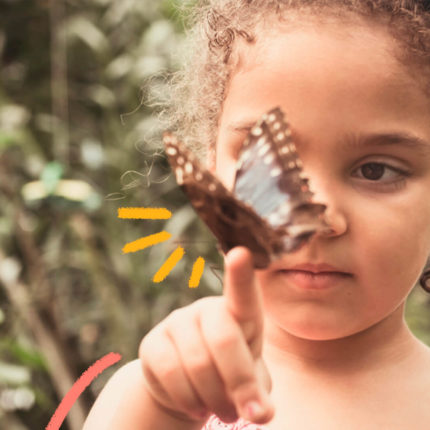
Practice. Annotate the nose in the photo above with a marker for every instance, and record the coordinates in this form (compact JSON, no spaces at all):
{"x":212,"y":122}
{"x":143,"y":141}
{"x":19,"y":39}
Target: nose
{"x":335,"y":221}
{"x":334,"y":215}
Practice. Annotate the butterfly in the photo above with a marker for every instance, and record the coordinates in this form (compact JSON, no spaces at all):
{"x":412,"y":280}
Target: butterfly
{"x":270,"y":209}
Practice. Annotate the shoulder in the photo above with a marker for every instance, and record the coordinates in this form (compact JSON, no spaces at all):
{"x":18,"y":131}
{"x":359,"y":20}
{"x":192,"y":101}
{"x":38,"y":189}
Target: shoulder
{"x":118,"y":401}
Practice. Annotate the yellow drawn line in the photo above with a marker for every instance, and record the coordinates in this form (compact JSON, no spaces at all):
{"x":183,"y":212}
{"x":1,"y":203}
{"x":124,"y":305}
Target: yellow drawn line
{"x":196,"y":273}
{"x":144,"y":213}
{"x":169,"y":264}
{"x":146,"y":241}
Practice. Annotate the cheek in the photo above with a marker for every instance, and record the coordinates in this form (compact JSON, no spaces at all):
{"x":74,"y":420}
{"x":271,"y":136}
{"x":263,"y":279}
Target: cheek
{"x":391,"y":240}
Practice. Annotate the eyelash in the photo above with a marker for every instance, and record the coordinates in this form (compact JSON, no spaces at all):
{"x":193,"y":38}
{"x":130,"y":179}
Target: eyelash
{"x":392,"y":186}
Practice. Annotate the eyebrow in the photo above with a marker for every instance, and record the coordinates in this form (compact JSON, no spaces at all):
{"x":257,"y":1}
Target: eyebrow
{"x":350,"y":141}
{"x":404,"y":139}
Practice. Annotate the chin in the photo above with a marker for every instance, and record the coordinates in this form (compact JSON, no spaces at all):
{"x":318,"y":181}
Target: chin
{"x":316,"y":328}
{"x":315,"y":333}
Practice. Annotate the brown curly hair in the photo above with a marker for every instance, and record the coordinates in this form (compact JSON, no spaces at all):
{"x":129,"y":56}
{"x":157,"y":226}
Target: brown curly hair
{"x":197,"y":90}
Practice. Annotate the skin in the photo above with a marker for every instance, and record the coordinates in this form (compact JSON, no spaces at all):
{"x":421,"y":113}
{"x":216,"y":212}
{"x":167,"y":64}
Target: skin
{"x":333,"y":90}
{"x":339,"y":358}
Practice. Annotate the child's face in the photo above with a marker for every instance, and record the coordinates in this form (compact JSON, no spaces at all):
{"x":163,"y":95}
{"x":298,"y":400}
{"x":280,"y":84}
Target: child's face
{"x":342,"y":92}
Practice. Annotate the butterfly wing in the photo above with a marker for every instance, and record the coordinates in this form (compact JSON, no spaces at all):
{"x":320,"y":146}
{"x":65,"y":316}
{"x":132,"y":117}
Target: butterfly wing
{"x":270,"y":209}
{"x":231,"y":221}
{"x":270,"y":179}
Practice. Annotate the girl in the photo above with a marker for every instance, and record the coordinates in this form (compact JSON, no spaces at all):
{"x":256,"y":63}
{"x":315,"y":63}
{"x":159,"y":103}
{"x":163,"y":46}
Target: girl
{"x":317,"y":340}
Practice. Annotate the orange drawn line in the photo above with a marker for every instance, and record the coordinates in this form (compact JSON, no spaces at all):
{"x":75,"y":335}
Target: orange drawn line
{"x":146,"y":241}
{"x":144,"y":213}
{"x":196,"y":273}
{"x":169,"y":264}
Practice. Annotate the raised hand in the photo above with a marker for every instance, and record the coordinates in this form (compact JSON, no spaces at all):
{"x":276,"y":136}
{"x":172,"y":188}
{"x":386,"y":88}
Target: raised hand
{"x":206,"y":358}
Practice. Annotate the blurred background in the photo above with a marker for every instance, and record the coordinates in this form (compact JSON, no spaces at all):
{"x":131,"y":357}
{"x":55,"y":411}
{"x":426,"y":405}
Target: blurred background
{"x":78,"y":140}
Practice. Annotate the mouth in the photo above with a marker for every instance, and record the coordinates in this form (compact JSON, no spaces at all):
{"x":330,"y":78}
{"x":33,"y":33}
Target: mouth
{"x":310,"y":280}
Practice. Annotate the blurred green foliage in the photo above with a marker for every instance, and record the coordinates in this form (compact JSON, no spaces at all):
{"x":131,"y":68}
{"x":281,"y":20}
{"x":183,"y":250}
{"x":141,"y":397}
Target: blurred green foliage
{"x":77,"y":141}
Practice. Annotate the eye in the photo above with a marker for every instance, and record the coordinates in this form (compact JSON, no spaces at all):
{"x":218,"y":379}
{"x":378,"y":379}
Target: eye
{"x":381,"y":174}
{"x":373,"y":171}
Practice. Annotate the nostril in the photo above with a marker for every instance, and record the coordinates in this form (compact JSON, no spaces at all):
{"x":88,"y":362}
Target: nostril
{"x":335,"y":221}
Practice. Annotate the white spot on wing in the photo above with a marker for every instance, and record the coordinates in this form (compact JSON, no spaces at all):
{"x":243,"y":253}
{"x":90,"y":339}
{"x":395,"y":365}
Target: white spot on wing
{"x":284,"y":209}
{"x":179,"y":175}
{"x":263,"y":150}
{"x":244,"y":156}
{"x":257,"y":131}
{"x":261,"y":141}
{"x":269,"y":158}
{"x":188,"y":168}
{"x":274,"y":218}
{"x":275,"y":172}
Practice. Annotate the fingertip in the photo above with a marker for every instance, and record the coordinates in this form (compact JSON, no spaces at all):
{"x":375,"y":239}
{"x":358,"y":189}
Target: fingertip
{"x":258,"y":412}
{"x":239,"y":267}
{"x":238,"y":254}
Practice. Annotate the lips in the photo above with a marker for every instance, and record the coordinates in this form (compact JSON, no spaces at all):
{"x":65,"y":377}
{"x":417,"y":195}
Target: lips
{"x":316,"y":268}
{"x":310,"y":276}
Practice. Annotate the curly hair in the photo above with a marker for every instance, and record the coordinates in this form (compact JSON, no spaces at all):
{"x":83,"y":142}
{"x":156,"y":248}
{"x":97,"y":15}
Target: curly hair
{"x":197,"y":90}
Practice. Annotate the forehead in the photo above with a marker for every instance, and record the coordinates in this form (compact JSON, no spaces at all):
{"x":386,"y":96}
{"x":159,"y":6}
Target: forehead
{"x":325,"y":75}
{"x":347,"y":43}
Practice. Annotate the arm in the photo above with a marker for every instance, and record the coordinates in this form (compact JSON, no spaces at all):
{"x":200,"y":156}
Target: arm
{"x":202,"y":359}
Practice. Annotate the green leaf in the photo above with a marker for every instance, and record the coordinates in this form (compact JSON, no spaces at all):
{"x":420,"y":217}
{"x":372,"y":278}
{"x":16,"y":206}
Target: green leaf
{"x":51,"y":175}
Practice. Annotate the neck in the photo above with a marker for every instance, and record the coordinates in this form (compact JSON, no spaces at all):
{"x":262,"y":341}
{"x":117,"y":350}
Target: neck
{"x":386,"y":343}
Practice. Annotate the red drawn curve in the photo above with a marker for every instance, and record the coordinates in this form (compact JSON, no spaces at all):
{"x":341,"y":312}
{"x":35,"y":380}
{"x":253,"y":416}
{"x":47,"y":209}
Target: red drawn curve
{"x":79,"y":386}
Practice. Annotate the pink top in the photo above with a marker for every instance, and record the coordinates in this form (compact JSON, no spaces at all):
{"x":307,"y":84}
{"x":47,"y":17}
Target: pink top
{"x":214,"y":423}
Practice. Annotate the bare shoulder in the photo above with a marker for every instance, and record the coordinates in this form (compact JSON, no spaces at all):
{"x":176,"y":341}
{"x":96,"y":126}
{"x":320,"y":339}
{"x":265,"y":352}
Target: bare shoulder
{"x":114,"y":402}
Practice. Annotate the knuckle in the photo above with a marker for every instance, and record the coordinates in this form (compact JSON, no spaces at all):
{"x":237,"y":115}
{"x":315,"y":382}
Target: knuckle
{"x":242,"y":389}
{"x":190,"y":404}
{"x":146,"y":347}
{"x":198,"y":365}
{"x":149,"y":374}
{"x":241,"y":382}
{"x":143,"y":348}
{"x":224,"y":341}
{"x":167,"y":370}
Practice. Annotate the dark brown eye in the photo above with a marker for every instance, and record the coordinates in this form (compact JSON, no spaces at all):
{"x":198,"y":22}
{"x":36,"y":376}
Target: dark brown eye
{"x":372,"y":171}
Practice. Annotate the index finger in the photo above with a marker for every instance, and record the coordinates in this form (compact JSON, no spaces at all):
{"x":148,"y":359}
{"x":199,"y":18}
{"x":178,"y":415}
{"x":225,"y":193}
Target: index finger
{"x":241,"y":293}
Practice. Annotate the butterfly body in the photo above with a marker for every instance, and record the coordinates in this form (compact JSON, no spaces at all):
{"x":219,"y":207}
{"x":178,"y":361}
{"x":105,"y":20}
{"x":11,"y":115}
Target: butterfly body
{"x":269,"y":209}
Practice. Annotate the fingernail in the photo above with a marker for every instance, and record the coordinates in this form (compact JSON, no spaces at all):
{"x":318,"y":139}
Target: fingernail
{"x":253,"y":410}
